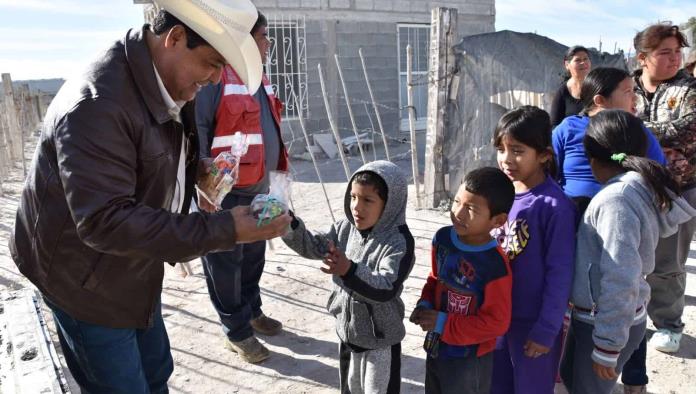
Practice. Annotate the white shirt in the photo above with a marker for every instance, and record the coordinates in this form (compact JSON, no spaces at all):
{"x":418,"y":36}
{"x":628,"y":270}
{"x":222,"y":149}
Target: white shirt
{"x":174,"y":109}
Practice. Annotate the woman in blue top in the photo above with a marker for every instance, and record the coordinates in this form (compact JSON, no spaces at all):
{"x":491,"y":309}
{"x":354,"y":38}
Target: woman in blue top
{"x":603,"y":88}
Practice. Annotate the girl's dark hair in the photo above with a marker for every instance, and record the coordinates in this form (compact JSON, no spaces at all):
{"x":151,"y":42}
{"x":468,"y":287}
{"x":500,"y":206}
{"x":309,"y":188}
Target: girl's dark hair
{"x":164,"y":21}
{"x":614,"y":132}
{"x":529,"y":125}
{"x":650,"y":38}
{"x":600,"y":81}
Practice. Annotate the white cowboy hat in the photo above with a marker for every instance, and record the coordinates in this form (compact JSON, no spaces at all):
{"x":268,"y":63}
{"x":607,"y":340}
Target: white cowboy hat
{"x":226,"y":26}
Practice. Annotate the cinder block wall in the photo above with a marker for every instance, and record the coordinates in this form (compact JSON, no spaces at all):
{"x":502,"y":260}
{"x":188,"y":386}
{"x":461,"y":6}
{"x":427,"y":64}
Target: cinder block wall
{"x":344,"y":26}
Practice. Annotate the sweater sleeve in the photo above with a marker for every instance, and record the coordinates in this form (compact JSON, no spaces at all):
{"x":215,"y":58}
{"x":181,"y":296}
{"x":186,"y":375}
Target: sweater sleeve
{"x":307,"y":244}
{"x":559,"y":263}
{"x":681,"y":131}
{"x":207,"y":102}
{"x":491,"y":321}
{"x":558,"y":107}
{"x":620,"y":266}
{"x":558,"y":142}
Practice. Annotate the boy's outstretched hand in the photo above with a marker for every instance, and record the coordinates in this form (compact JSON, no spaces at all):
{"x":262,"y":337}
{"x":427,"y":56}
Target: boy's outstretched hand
{"x":336,"y":261}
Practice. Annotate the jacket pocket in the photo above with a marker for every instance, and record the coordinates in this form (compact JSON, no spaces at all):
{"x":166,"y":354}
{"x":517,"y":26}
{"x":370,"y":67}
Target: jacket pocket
{"x":252,"y":166}
{"x":361,"y":328}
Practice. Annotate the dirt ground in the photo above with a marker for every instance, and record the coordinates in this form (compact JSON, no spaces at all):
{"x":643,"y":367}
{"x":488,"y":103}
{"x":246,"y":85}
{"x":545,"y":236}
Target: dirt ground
{"x":294,"y":291}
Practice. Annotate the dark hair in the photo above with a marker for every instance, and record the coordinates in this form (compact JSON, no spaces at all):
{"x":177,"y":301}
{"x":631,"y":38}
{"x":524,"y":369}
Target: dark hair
{"x":613,"y":132}
{"x":261,"y":21}
{"x":164,"y":21}
{"x":601,"y":81}
{"x":650,"y":38}
{"x":493,"y":185}
{"x":369,"y":178}
{"x":529,"y":125}
{"x":572,"y":51}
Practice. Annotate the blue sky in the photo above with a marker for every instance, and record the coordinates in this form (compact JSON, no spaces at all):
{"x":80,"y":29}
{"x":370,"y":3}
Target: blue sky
{"x":53,"y":38}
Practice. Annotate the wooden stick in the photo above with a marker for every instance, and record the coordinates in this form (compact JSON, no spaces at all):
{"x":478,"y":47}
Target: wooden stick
{"x":412,"y":123}
{"x":334,"y":129}
{"x":350,"y":110}
{"x":314,"y":160}
{"x":374,"y":105}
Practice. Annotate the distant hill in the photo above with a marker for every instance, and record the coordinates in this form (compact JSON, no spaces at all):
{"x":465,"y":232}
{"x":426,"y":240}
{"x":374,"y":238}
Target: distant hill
{"x":49,"y":86}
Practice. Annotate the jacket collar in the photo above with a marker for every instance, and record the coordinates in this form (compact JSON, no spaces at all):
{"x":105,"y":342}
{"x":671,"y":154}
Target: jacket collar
{"x":140,"y":63}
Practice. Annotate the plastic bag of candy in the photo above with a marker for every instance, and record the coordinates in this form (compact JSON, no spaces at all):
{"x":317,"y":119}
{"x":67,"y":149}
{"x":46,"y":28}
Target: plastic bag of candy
{"x":224,"y":172}
{"x":265,"y":207}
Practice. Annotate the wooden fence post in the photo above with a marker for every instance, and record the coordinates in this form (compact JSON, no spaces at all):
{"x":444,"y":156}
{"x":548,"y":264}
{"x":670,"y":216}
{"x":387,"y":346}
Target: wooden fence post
{"x":15,"y":138}
{"x":443,"y":33}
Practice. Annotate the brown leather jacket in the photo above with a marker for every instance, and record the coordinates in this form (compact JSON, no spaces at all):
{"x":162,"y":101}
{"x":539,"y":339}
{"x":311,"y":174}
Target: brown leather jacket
{"x":94,"y":226}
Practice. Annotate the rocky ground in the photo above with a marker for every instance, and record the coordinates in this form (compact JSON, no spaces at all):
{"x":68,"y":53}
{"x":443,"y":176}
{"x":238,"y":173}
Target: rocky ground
{"x":294,"y":291}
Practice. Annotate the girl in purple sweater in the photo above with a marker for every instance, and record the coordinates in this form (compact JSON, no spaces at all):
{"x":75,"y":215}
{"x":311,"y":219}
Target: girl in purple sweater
{"x":539,"y":238}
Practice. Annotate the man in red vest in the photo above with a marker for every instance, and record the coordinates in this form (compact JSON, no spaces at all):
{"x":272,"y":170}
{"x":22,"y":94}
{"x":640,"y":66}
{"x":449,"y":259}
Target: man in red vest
{"x":233,"y":277}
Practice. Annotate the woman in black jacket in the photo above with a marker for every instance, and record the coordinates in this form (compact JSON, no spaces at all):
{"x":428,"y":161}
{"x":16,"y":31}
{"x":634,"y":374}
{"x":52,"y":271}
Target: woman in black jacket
{"x":567,"y":100}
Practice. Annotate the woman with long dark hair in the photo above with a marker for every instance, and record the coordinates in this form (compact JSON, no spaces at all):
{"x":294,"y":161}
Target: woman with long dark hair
{"x":567,"y":100}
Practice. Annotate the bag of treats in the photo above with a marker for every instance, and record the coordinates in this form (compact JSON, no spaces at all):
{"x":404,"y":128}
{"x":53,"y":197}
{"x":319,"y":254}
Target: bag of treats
{"x":224,"y":172}
{"x":265,"y":207}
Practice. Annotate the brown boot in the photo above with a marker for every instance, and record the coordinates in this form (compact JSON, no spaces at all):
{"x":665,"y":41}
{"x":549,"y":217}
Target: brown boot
{"x":628,"y":389}
{"x":266,"y":326}
{"x":250,"y":349}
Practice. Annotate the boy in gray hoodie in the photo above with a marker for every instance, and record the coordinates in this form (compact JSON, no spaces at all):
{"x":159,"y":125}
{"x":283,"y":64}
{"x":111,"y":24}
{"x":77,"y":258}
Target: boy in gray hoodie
{"x":369,"y":254}
{"x":615,"y":251}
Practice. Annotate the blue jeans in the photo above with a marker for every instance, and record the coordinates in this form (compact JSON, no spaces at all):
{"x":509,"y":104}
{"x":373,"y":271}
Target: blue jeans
{"x":233,"y":281}
{"x":115,"y":360}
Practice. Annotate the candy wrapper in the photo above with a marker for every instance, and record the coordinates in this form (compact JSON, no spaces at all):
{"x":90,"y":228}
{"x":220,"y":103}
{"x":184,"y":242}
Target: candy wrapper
{"x":265,"y":207}
{"x":226,"y":166}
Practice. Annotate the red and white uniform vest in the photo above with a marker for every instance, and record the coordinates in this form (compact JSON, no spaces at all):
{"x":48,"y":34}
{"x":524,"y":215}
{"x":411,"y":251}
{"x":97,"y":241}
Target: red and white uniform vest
{"x":239,"y":111}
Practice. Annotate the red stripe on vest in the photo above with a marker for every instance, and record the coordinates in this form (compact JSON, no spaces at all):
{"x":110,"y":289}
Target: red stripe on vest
{"x":239,"y":111}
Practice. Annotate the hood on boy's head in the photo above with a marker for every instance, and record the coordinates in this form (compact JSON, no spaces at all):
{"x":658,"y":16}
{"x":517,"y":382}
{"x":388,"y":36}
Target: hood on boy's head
{"x":394,"y":213}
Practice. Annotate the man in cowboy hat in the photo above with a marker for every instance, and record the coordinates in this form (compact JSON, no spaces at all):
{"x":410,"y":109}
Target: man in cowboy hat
{"x":233,"y":276}
{"x":106,"y":201}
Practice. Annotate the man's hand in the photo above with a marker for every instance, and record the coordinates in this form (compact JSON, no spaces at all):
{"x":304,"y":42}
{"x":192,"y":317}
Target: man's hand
{"x":247,"y":231}
{"x":534,"y":350}
{"x":335,"y":261}
{"x":606,"y":373}
{"x":427,"y":319}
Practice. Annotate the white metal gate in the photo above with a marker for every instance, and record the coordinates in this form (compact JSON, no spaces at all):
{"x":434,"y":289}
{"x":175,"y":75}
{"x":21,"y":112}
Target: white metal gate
{"x":418,"y":35}
{"x":286,"y":65}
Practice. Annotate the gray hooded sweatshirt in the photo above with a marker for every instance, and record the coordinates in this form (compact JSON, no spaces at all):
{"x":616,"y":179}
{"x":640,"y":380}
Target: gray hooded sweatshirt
{"x":367,"y":300}
{"x":615,"y":251}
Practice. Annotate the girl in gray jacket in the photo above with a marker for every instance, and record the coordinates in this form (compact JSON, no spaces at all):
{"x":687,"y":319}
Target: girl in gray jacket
{"x":638,"y":204}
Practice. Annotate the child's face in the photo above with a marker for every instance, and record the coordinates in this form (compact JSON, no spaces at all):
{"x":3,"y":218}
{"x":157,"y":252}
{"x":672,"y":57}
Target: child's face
{"x":472,"y":219}
{"x":365,"y":205}
{"x":522,"y":163}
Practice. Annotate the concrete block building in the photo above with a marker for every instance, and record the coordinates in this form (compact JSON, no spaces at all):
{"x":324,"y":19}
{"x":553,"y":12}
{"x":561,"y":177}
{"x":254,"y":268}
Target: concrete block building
{"x":306,"y":33}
